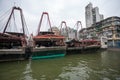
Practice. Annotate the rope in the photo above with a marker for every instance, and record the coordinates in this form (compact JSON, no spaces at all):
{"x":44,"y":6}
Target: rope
{"x":3,"y":16}
{"x":3,"y":19}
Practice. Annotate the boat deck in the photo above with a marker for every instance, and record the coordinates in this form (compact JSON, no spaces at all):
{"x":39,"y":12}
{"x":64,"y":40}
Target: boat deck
{"x":12,"y":51}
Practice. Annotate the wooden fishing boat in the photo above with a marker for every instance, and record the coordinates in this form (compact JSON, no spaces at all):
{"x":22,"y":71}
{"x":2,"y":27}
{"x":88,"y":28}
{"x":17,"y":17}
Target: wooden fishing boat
{"x":48,"y":45}
{"x":12,"y":47}
{"x":12,"y":43}
{"x":83,"y":45}
{"x":73,"y":45}
{"x":91,"y":44}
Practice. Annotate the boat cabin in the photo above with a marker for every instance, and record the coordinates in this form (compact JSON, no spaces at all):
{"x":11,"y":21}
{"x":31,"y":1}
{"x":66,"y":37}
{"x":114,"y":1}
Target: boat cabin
{"x":48,"y":39}
{"x":8,"y":41}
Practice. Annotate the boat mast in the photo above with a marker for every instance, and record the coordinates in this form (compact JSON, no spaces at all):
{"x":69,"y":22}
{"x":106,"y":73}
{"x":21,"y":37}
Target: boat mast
{"x":39,"y":26}
{"x":66,"y":28}
{"x":77,"y":24}
{"x":21,"y":14}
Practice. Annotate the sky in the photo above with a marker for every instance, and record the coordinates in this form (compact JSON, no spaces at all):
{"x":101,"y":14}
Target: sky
{"x":70,"y":11}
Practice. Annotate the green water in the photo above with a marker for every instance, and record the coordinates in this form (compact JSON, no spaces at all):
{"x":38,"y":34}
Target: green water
{"x":101,"y":65}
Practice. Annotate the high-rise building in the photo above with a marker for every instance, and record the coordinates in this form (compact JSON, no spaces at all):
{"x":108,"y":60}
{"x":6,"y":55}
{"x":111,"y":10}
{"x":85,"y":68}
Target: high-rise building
{"x":92,"y":15}
{"x":107,"y":31}
{"x":88,"y":15}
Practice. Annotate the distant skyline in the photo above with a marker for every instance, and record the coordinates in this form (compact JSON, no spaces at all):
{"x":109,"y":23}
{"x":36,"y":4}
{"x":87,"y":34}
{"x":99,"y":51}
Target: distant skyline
{"x":70,"y":11}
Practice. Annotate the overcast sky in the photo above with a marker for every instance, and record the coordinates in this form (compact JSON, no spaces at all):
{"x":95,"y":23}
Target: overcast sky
{"x":59,"y":10}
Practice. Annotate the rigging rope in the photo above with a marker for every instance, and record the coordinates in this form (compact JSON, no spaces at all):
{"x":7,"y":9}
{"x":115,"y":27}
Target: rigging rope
{"x":3,"y":19}
{"x":4,"y":15}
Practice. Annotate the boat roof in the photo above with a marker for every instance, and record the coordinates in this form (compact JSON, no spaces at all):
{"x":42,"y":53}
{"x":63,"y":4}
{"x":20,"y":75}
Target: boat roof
{"x":7,"y":36}
{"x":15,"y":33}
{"x":73,"y":40}
{"x":45,"y":32}
{"x":48,"y":36}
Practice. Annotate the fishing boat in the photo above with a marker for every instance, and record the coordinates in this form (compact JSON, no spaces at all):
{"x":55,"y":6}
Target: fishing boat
{"x":12,"y":47}
{"x":82,"y":45}
{"x":13,"y":44}
{"x":73,"y":45}
{"x":47,"y":44}
{"x":90,"y":44}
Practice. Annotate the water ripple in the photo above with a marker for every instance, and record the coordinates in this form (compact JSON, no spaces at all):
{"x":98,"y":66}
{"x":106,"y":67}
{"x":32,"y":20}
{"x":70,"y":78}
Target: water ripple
{"x":80,"y":72}
{"x":28,"y":72}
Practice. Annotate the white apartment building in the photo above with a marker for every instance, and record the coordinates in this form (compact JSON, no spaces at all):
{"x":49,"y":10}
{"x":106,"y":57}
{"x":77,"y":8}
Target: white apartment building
{"x":92,"y":15}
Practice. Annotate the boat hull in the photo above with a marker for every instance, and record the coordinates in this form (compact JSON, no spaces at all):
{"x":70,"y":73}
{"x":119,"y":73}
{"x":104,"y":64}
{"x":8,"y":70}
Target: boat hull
{"x":11,"y":54}
{"x":14,"y":54}
{"x":48,"y":52}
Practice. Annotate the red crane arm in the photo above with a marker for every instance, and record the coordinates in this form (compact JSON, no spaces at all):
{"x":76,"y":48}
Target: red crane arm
{"x":39,"y":26}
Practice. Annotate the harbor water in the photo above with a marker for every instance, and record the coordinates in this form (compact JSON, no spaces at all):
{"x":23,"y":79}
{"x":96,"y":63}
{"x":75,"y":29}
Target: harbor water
{"x":100,"y":65}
